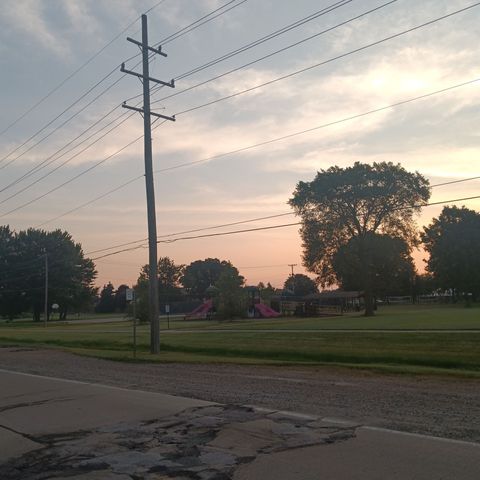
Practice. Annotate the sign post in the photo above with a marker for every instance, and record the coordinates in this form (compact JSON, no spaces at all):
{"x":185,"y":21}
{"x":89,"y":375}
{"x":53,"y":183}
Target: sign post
{"x":167,"y":311}
{"x":130,"y":297}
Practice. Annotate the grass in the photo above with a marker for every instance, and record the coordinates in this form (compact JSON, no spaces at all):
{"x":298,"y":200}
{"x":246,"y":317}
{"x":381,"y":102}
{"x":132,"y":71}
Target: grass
{"x":421,"y":351}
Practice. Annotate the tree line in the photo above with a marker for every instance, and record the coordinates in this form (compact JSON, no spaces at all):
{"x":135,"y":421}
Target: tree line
{"x":358,"y":233}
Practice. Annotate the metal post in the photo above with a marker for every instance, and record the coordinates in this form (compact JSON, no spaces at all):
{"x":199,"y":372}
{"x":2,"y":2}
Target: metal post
{"x":134,"y":326}
{"x":45,"y":320}
{"x":152,"y":221}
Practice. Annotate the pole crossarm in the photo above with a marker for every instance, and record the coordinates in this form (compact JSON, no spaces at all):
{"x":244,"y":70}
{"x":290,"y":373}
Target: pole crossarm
{"x":159,"y":115}
{"x":170,"y":84}
{"x":152,"y":49}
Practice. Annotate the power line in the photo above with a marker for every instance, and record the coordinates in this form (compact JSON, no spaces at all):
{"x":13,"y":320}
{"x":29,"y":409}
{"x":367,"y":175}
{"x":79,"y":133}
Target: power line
{"x":77,"y":70}
{"x":265,"y":38}
{"x":68,"y":160}
{"x":430,"y":204}
{"x":38,"y":167}
{"x":198,"y":23}
{"x":455,"y":181}
{"x":53,"y":157}
{"x":322,"y":63}
{"x":325,"y":125}
{"x":306,"y":69}
{"x":57,"y":117}
{"x":46,"y":162}
{"x":267,"y":142}
{"x":83,"y":205}
{"x":248,"y":64}
{"x":71,"y":179}
{"x":271,"y":227}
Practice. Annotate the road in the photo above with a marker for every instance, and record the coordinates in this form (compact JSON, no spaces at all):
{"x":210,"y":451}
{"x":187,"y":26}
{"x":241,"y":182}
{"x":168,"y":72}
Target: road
{"x":430,"y":405}
{"x":57,"y":428}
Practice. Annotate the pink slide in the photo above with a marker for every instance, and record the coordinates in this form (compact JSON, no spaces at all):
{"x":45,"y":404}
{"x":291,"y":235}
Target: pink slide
{"x":266,"y":311}
{"x":201,"y":310}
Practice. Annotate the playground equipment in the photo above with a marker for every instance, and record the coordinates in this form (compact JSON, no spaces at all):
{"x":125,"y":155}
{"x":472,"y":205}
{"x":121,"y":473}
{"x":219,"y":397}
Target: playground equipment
{"x":265,"y":311}
{"x":201,"y":311}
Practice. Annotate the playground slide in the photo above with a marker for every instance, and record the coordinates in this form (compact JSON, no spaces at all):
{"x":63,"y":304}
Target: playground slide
{"x":201,"y":310}
{"x":266,"y":311}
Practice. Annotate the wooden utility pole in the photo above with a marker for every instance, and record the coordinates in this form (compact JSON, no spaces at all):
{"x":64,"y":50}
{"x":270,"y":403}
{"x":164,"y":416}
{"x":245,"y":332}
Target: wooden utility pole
{"x":45,"y":320}
{"x":149,"y":184}
{"x":292,"y":265}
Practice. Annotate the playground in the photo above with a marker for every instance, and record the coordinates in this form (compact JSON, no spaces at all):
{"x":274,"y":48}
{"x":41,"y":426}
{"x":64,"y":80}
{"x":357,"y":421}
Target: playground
{"x":255,"y":309}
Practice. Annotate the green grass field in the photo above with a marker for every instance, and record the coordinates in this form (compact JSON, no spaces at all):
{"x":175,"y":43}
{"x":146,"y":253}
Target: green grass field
{"x":398,"y":339}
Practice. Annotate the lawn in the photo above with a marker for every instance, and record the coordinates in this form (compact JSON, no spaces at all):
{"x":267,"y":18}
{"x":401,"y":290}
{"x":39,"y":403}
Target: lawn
{"x":289,"y":340}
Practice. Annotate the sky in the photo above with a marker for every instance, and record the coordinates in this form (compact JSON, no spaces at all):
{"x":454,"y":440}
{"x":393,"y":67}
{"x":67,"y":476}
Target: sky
{"x":42,"y":42}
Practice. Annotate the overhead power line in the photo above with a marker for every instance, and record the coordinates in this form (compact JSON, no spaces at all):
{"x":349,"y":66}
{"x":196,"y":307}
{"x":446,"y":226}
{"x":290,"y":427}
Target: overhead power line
{"x":201,"y":21}
{"x":319,"y":127}
{"x":238,"y":223}
{"x":326,"y":10}
{"x":68,"y":160}
{"x":266,"y":142}
{"x":257,"y":42}
{"x":34,"y":200}
{"x":77,"y":70}
{"x":264,"y":39}
{"x":306,"y":69}
{"x":271,"y":227}
{"x":50,"y":159}
{"x":276,"y":52}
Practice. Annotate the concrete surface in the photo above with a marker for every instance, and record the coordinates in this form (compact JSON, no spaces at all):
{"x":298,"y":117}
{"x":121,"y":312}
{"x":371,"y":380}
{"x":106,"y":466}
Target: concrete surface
{"x":53,"y":428}
{"x":373,"y":454}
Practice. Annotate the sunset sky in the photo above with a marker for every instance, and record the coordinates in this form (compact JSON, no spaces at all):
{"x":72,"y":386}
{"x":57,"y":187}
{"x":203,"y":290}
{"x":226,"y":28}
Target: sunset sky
{"x":43,"y":41}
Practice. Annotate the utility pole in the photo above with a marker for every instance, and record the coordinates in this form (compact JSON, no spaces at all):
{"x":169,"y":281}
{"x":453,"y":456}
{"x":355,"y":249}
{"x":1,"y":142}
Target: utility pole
{"x":152,"y":221}
{"x":292,"y":265}
{"x":45,"y":320}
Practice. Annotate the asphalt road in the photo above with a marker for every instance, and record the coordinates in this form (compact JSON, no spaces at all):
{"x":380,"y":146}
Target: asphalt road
{"x":67,"y":429}
{"x":432,"y":405}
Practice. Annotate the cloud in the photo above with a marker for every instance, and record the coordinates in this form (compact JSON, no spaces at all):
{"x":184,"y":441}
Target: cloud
{"x":28,"y":18}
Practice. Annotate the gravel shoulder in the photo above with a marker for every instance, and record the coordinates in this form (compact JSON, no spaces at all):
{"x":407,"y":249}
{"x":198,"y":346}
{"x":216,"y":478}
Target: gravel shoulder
{"x":445,"y":407}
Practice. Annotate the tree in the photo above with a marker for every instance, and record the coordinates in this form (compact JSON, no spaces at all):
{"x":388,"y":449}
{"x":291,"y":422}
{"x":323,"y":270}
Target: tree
{"x":390,"y":272}
{"x":231,"y":298}
{"x":106,"y":303}
{"x":71,"y":275}
{"x":300,"y":285}
{"x":12,"y":299}
{"x":453,"y":240}
{"x":120,"y":299}
{"x":345,"y":203}
{"x":266,"y":292}
{"x":199,"y":275}
{"x":169,"y":286}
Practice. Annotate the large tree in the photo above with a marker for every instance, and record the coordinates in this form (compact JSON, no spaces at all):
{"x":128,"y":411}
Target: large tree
{"x":300,"y":284}
{"x":70,"y":274}
{"x":345,"y":203}
{"x":199,"y":275}
{"x":453,"y":241}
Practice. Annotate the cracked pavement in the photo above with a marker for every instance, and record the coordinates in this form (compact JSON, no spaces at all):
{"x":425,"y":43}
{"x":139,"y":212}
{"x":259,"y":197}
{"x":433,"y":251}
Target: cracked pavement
{"x":69,"y":429}
{"x":199,"y":443}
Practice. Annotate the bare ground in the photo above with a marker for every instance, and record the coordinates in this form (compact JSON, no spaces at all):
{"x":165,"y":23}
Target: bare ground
{"x":432,"y":405}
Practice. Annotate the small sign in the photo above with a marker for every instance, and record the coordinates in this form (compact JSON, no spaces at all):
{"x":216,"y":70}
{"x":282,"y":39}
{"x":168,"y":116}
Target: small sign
{"x":167,"y":308}
{"x":129,"y":294}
